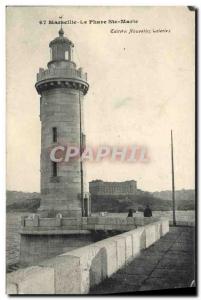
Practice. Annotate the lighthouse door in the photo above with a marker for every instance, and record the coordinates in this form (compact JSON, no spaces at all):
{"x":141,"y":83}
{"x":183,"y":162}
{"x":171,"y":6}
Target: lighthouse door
{"x":86,"y":207}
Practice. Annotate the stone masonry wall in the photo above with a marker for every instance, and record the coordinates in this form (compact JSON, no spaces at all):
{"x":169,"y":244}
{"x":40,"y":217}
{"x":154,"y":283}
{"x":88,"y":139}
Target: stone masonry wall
{"x":76,"y":271}
{"x":60,"y":109}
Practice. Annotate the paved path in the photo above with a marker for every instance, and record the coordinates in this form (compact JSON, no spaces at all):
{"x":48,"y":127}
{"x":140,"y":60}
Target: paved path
{"x":167,"y":264}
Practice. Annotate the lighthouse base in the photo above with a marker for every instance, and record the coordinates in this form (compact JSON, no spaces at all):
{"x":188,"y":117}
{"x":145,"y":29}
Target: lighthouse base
{"x":35,"y":247}
{"x":43,"y":237}
{"x":77,"y":208}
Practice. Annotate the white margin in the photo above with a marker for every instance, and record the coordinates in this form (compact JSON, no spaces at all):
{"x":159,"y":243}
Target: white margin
{"x":3,"y":4}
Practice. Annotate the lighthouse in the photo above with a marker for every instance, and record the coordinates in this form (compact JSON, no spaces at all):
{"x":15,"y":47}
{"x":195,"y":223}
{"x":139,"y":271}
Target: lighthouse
{"x":62,"y":87}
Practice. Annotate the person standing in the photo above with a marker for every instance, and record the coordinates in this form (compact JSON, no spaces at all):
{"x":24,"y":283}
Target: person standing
{"x":130,"y":213}
{"x":147,"y":212}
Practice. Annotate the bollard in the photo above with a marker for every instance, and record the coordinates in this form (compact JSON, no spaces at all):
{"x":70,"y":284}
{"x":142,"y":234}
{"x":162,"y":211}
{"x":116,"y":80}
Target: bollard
{"x":59,"y":219}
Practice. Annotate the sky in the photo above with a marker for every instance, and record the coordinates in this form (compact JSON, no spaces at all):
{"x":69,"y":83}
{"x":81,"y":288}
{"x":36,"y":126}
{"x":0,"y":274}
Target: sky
{"x":141,"y":86}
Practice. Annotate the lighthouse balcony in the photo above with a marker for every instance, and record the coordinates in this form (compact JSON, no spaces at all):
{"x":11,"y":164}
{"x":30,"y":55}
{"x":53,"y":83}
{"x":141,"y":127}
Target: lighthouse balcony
{"x":61,"y":72}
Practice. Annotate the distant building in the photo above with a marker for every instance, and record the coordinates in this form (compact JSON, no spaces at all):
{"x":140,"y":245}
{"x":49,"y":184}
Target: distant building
{"x":99,"y":187}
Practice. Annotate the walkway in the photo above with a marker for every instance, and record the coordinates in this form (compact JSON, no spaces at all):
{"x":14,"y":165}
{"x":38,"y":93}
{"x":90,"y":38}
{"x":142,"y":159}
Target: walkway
{"x":167,"y":264}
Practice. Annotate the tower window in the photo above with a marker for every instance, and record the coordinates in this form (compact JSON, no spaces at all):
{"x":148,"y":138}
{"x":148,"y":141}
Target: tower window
{"x":54,"y":169}
{"x":54,"y":134}
{"x":67,"y":55}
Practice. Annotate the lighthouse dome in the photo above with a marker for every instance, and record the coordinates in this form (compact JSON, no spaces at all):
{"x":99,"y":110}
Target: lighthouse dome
{"x":61,"y":39}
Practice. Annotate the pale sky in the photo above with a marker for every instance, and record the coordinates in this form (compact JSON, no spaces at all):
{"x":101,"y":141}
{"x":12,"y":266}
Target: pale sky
{"x":141,"y":87}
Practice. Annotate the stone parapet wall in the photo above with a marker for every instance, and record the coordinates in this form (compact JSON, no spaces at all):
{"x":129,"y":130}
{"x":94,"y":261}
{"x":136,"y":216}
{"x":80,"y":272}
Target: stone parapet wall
{"x":36,"y":223}
{"x":75,"y":272}
{"x":61,"y":72}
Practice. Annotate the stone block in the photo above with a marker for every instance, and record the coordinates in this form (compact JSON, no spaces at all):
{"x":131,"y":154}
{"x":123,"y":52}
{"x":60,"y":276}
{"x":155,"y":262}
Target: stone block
{"x":28,"y":222}
{"x":139,"y":221}
{"x":84,"y":220}
{"x":149,"y":220}
{"x":91,"y":266}
{"x":89,"y":226}
{"x":99,"y":227}
{"x":73,"y":227}
{"x":11,"y":288}
{"x":121,"y":250}
{"x":150,"y":234}
{"x":130,"y":227}
{"x":35,"y":220}
{"x":112,"y":227}
{"x":47,"y":222}
{"x":143,"y":239}
{"x":66,"y":272}
{"x":93,"y":220}
{"x":29,"y":281}
{"x":164,"y":226}
{"x":158,"y":226}
{"x":85,"y":226}
{"x":110,"y":259}
{"x":111,"y":221}
{"x":23,"y":221}
{"x":130,"y":221}
{"x":98,"y":220}
{"x":128,"y":245}
{"x":71,"y":221}
{"x":138,"y":240}
{"x":121,"y":221}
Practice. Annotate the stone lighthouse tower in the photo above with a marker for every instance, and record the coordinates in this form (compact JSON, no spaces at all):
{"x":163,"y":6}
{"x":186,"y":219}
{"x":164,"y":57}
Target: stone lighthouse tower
{"x":62,"y":88}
